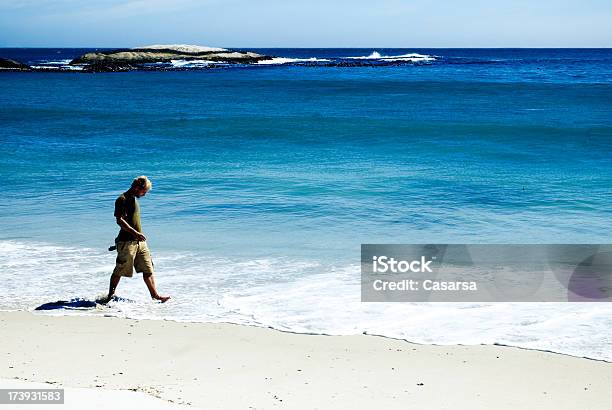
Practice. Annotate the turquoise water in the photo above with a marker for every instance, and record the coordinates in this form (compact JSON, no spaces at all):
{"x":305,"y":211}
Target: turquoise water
{"x":267,"y":180}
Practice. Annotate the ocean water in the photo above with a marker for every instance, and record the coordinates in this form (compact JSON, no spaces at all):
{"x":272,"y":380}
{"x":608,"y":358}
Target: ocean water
{"x":267,"y":178}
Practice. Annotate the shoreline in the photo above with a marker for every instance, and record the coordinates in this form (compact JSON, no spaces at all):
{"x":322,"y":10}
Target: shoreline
{"x":503,"y":345}
{"x":220,"y":365}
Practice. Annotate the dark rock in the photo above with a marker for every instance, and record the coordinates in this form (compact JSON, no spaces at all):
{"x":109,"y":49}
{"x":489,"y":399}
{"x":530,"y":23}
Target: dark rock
{"x":7,"y":64}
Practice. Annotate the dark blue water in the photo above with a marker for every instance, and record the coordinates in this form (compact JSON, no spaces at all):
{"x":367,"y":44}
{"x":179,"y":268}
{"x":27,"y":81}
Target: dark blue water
{"x":267,"y":179}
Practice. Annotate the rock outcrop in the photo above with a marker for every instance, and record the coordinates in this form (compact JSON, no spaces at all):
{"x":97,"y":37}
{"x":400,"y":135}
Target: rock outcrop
{"x":143,"y":57}
{"x":7,"y":64}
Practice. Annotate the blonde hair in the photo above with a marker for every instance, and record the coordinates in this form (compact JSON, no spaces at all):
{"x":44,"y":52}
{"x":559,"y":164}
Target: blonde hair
{"x":142,"y":182}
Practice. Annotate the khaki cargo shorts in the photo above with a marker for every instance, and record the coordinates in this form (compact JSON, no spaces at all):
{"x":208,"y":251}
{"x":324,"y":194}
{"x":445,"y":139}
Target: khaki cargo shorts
{"x":133,"y":255}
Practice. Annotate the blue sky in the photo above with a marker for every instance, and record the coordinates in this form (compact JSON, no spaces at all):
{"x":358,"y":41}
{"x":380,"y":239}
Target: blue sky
{"x":312,"y":23}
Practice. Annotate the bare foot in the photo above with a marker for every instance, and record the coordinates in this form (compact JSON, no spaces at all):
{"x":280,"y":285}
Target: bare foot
{"x":162,"y":299}
{"x":105,"y":300}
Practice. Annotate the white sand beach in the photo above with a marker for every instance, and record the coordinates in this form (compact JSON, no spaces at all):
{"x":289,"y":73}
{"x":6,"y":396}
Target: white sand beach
{"x":93,"y":398}
{"x":225,"y":366}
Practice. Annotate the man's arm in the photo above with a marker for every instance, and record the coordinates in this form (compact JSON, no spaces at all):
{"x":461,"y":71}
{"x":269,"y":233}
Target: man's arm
{"x":126,"y":227}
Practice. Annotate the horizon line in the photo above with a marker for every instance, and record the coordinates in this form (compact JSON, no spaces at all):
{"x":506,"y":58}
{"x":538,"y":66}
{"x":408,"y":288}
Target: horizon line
{"x":334,"y":47}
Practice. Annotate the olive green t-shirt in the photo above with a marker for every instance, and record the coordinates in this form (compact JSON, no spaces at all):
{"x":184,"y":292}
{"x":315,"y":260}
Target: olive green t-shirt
{"x":126,"y":206}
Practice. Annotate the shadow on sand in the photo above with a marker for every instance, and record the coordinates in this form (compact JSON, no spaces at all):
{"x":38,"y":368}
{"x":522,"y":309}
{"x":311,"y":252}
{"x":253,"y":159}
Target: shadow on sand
{"x":79,"y":303}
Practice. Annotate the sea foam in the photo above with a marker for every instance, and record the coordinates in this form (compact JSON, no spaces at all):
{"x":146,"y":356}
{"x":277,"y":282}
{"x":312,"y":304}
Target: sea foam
{"x":413,"y":57}
{"x":286,"y":60}
{"x":192,"y":63}
{"x":290,"y":294}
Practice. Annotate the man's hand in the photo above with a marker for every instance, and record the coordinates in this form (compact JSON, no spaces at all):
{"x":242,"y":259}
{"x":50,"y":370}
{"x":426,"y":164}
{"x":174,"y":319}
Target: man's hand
{"x":126,"y":227}
{"x":139,"y":236}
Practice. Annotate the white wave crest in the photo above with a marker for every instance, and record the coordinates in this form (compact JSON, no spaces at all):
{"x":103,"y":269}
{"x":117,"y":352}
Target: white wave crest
{"x":191,"y":63}
{"x":414,"y":57}
{"x":55,"y":67}
{"x":58,"y":62}
{"x":286,"y":60}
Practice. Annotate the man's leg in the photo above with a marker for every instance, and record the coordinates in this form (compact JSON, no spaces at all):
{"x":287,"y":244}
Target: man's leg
{"x":114,"y":281}
{"x":150,"y":282}
{"x":144,"y":263}
{"x":124,"y":266}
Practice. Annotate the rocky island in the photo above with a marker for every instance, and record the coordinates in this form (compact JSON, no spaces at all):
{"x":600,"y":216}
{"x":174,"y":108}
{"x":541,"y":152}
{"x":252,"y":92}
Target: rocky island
{"x":153,"y":58}
{"x":164,"y":55}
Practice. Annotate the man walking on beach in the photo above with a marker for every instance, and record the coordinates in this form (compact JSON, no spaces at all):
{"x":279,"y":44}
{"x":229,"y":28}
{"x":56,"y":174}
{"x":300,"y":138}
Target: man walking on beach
{"x":132,"y":250}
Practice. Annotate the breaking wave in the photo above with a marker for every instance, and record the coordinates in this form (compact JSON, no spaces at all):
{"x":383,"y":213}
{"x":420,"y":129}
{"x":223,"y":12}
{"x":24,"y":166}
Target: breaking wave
{"x":413,"y":57}
{"x":286,"y":60}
